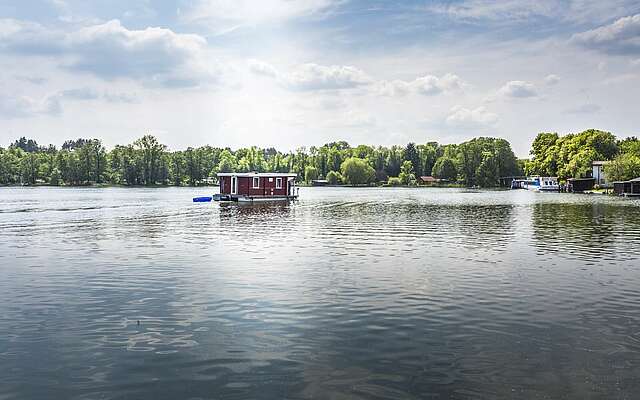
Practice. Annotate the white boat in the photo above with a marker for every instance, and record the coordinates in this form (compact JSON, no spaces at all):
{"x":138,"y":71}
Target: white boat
{"x":542,"y":184}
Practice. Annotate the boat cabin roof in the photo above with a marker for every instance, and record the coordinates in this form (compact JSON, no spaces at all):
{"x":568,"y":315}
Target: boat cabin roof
{"x":259,"y":175}
{"x":635,"y":180}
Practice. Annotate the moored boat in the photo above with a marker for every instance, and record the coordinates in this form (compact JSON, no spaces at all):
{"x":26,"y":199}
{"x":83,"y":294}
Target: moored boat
{"x":542,"y":184}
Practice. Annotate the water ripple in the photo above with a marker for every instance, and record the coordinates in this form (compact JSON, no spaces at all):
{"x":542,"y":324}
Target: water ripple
{"x":348,"y":293}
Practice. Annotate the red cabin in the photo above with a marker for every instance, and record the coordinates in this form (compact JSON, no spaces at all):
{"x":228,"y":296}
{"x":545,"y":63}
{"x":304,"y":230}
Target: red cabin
{"x":253,"y":186}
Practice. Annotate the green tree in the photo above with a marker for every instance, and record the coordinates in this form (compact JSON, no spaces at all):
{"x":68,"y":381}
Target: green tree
{"x":407,"y":177}
{"x":487,"y":173}
{"x":428,"y":157}
{"x":624,"y":167}
{"x":394,"y":161}
{"x":9,"y":166}
{"x":570,"y":155}
{"x":55,"y":177}
{"x":26,"y":145}
{"x":227,"y":162}
{"x":630,"y":145}
{"x":356,"y":171}
{"x":29,"y":167}
{"x":334,"y":178}
{"x":445,"y":168}
{"x":176,"y":168}
{"x":310,"y":174}
{"x":150,"y":152}
{"x":394,"y":181}
{"x":411,"y":155}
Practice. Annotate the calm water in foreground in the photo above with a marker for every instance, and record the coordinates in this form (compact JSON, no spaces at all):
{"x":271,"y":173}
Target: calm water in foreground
{"x":348,"y":293}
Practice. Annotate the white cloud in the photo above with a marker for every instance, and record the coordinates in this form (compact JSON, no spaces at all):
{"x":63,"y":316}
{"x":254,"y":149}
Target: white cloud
{"x":465,"y":117}
{"x":431,"y":85}
{"x":27,"y":37}
{"x":80,"y":94}
{"x":518,"y":89}
{"x":20,"y":106}
{"x":26,"y":107}
{"x":552,"y":80}
{"x":35,"y":80}
{"x":620,"y":37}
{"x":524,"y":11}
{"x":498,"y":10}
{"x":262,"y":68}
{"x":356,"y":118}
{"x":227,"y":15}
{"x":312,"y":77}
{"x":394,"y":88}
{"x":428,"y":85}
{"x":309,"y":77}
{"x":154,"y":56}
{"x":120,"y":98}
{"x":87,"y":93}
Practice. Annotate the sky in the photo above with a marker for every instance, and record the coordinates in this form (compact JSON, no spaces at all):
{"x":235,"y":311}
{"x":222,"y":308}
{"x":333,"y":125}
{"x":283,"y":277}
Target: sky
{"x":286,"y":74}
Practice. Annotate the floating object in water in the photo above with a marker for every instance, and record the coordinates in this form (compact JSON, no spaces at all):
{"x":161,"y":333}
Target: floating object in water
{"x":252,"y":187}
{"x":204,"y":199}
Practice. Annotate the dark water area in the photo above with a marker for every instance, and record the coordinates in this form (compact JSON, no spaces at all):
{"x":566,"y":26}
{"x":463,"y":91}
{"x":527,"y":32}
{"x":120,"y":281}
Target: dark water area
{"x":345,"y":294}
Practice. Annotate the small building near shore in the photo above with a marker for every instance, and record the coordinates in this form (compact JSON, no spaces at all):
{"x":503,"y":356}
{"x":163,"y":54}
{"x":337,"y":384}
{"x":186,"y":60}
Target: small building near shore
{"x":513,"y":182}
{"x":428,"y":180}
{"x":579,"y":185}
{"x":319,"y":182}
{"x":629,"y":188}
{"x":598,"y":172}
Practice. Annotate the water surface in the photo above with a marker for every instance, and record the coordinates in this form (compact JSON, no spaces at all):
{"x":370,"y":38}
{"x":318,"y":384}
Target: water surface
{"x":347,"y":293}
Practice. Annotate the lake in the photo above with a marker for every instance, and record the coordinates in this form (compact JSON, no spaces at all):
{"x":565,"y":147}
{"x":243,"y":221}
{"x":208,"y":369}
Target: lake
{"x":369,"y":293}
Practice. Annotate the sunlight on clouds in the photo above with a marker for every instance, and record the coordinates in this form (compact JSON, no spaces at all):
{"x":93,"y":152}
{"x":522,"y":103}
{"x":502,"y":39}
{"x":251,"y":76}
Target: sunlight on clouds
{"x":262,"y":68}
{"x":310,"y":77}
{"x":319,"y":77}
{"x":308,"y":71}
{"x":155,"y":56}
{"x":620,"y":37}
{"x":518,"y":89}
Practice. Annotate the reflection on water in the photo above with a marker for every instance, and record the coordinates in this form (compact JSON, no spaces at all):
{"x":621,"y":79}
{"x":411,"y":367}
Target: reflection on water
{"x":590,"y":231}
{"x":348,"y":293}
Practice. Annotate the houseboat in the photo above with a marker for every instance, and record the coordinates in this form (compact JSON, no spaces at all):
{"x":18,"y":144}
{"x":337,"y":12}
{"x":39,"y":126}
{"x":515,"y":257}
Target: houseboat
{"x":541,"y":184}
{"x":254,"y":187}
{"x":627,"y":188}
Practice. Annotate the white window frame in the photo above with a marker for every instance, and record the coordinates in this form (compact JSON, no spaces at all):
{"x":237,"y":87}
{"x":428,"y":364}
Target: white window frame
{"x":278,"y":183}
{"x":256,"y":179}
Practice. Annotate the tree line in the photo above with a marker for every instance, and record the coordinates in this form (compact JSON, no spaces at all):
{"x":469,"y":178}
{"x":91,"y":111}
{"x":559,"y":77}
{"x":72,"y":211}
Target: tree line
{"x":146,"y":161}
{"x":572,"y":155}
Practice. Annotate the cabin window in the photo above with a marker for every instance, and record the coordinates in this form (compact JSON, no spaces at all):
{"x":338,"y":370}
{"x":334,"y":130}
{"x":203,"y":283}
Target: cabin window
{"x":278,"y":183}
{"x":270,"y":179}
{"x":256,"y":182}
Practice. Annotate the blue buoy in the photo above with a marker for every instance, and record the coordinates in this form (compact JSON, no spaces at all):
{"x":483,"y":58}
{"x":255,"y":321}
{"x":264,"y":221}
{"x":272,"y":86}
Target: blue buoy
{"x":202,"y":199}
